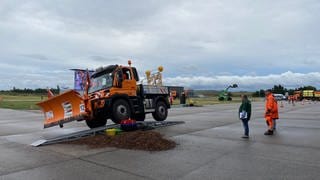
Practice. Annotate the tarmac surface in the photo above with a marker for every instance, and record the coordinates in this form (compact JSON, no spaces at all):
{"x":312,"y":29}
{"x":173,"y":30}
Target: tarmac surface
{"x":209,"y":147}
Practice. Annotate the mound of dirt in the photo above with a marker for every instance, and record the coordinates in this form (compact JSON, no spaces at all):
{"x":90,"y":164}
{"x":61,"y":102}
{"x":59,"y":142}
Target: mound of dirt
{"x":138,"y":140}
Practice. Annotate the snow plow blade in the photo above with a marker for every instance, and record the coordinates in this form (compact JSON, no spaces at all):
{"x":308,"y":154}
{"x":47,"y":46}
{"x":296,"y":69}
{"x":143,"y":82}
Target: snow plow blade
{"x":63,"y":108}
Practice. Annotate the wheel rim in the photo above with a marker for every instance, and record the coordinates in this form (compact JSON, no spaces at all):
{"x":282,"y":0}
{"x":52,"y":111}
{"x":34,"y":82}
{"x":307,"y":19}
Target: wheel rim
{"x":122,"y":111}
{"x":162,"y":110}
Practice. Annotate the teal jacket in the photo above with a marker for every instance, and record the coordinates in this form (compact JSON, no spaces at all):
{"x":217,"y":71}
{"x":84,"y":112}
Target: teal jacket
{"x":245,"y":106}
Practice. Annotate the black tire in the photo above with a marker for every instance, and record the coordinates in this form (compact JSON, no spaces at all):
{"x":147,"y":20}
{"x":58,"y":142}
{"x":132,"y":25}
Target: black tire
{"x":120,"y":111}
{"x":229,"y":99}
{"x":221,"y":99}
{"x":161,"y":111}
{"x":140,"y":117}
{"x":93,"y":123}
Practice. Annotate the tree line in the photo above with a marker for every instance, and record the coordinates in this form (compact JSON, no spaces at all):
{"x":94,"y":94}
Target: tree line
{"x":38,"y":91}
{"x":279,"y":89}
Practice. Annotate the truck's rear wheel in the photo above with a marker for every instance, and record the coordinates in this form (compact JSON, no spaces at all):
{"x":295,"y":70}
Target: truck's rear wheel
{"x":93,"y":123}
{"x":120,"y":111}
{"x":161,"y":111}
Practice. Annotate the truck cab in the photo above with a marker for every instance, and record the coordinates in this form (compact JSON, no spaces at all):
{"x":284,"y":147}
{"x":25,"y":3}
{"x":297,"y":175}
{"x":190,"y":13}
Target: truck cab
{"x":114,"y":79}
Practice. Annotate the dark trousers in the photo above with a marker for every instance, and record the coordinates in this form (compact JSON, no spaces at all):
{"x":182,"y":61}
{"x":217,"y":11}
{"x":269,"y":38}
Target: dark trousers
{"x":245,"y":126}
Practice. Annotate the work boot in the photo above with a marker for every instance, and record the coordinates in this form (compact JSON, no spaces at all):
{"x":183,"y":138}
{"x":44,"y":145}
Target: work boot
{"x":245,"y":137}
{"x":268,"y":133}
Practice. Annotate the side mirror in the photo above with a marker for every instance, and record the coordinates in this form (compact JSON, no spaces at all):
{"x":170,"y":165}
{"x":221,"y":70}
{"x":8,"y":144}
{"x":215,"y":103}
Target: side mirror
{"x":235,"y":85}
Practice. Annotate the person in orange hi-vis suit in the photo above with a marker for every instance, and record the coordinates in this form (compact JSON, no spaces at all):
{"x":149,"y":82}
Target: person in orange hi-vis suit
{"x":275,"y":114}
{"x":269,"y":111}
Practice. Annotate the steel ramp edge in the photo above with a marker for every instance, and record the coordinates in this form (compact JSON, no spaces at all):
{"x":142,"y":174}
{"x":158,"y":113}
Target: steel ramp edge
{"x":72,"y":136}
{"x":94,"y":131}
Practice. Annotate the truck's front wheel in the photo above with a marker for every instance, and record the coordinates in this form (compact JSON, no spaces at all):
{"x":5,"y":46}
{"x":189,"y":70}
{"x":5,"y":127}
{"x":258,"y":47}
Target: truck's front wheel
{"x":120,"y":111}
{"x":161,"y":111}
{"x":93,"y":123}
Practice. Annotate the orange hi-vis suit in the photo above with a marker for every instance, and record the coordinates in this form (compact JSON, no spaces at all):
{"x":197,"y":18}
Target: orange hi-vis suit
{"x":275,"y":114}
{"x":270,"y":110}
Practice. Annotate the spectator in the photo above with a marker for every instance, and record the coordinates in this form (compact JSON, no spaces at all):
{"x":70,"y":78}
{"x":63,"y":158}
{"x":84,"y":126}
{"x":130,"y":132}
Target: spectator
{"x":245,"y":114}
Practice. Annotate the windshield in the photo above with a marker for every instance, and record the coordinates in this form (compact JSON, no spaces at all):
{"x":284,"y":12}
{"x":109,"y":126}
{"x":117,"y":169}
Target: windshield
{"x":101,"y":82}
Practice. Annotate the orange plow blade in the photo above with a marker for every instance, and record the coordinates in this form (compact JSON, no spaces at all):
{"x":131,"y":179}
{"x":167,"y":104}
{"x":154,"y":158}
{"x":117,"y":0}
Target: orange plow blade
{"x":63,"y":108}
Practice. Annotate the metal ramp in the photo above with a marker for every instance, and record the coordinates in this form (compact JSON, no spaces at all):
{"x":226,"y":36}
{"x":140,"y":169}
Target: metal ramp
{"x":146,"y":125}
{"x":73,"y":136}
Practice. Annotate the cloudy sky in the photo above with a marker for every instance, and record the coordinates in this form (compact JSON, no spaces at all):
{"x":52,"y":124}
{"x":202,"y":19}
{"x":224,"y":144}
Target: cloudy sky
{"x":202,"y":44}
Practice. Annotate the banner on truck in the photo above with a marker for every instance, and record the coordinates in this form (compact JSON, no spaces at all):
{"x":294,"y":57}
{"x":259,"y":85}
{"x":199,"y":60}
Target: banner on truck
{"x":80,"y":78}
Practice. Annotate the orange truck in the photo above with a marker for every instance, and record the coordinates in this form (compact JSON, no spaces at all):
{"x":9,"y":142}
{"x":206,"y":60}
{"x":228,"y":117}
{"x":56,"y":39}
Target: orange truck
{"x":111,"y":92}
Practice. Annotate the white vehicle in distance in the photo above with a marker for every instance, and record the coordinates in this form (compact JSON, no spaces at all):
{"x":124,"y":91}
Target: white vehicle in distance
{"x":279,"y":97}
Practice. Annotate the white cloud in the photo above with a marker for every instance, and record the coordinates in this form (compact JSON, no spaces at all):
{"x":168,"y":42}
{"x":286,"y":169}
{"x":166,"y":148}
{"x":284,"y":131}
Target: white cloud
{"x":249,"y":83}
{"x":201,"y":38}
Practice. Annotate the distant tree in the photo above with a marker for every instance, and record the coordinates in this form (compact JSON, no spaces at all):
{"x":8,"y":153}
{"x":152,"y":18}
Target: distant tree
{"x":26,"y":91}
{"x":259,"y":93}
{"x":291,"y":91}
{"x":58,"y":89}
{"x":278,"y":89}
{"x":308,"y":88}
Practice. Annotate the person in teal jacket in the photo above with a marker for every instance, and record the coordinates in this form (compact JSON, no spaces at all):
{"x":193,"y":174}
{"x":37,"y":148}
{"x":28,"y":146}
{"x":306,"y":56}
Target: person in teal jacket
{"x":245,"y":114}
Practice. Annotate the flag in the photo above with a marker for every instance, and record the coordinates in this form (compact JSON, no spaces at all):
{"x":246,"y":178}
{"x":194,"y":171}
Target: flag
{"x":50,"y":94}
{"x":88,"y":82}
